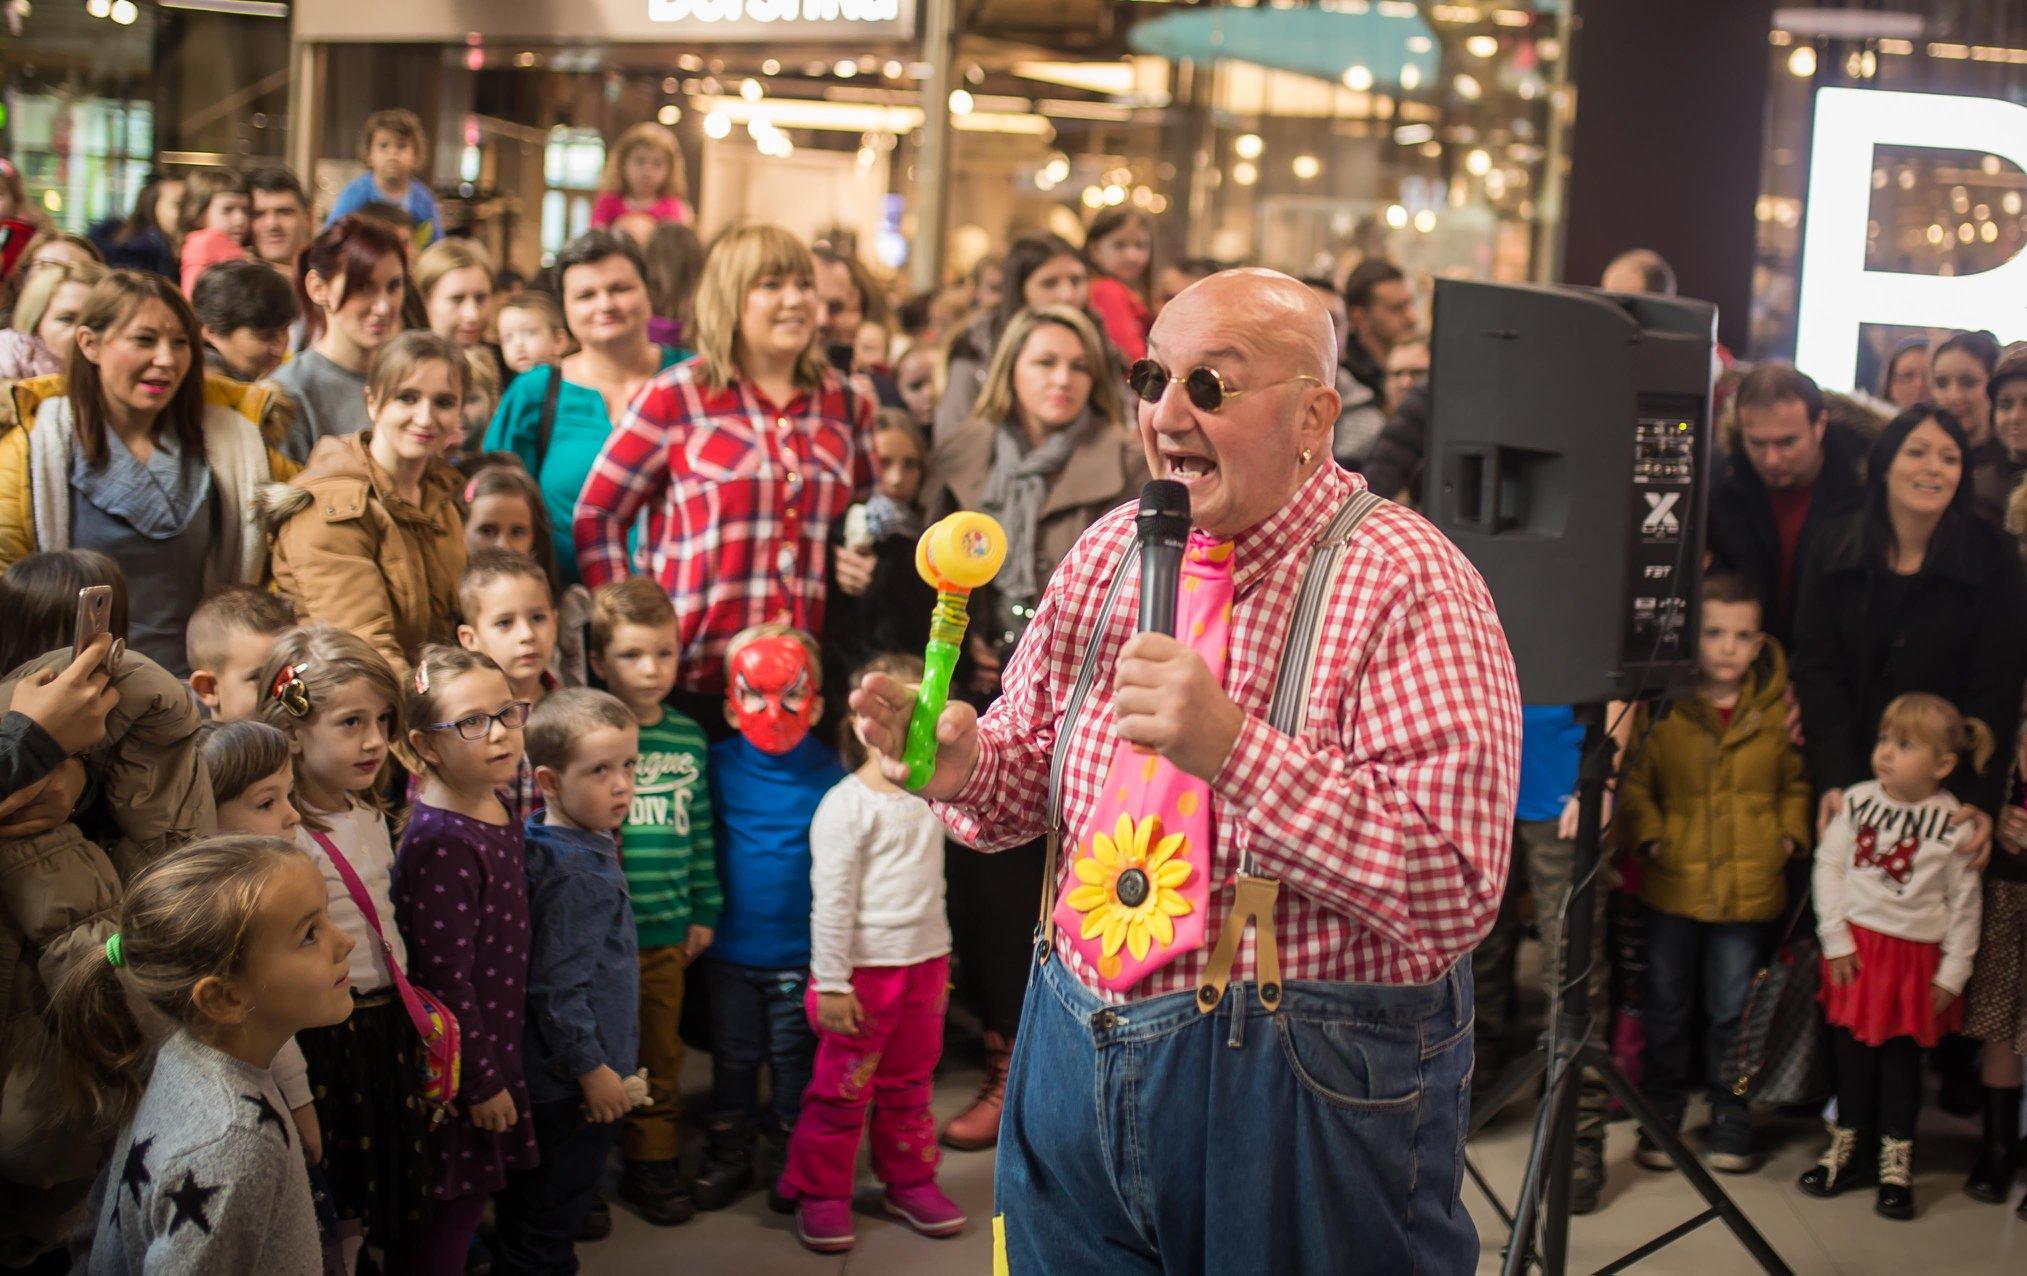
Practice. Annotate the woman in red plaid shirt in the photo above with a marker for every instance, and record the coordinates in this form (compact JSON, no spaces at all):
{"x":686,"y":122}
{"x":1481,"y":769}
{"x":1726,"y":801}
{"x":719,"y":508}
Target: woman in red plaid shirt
{"x":743,"y":458}
{"x":1216,"y":1109}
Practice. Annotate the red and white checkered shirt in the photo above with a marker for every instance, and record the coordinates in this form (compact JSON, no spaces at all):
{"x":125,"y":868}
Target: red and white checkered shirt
{"x":1388,"y":822}
{"x":740,"y":497}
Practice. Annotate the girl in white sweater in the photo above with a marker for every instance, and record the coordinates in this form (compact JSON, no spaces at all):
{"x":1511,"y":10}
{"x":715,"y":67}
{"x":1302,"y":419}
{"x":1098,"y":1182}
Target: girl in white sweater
{"x":1897,"y":910}
{"x":879,"y":971}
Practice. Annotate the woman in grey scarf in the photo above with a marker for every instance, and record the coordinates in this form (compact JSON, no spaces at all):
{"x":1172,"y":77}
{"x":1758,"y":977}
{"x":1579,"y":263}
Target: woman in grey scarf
{"x":1046,"y":450}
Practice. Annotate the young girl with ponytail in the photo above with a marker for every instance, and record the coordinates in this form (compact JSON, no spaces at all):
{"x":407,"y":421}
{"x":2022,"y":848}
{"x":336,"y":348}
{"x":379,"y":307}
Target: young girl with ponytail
{"x":227,"y":938}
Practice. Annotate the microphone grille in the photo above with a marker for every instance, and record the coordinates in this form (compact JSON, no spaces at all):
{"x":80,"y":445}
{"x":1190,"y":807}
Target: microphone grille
{"x":1164,"y":499}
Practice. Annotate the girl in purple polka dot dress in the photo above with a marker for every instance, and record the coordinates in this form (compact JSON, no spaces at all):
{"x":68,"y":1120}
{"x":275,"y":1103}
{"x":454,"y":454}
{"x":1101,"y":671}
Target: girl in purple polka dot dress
{"x":462,"y":896}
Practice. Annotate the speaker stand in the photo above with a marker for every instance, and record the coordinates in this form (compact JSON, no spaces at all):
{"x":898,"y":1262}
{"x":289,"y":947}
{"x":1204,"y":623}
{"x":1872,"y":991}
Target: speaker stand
{"x":1564,"y":1055}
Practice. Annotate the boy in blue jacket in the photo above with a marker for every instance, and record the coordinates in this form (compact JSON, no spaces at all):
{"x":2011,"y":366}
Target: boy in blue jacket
{"x":765,"y":785}
{"x":583,"y":975}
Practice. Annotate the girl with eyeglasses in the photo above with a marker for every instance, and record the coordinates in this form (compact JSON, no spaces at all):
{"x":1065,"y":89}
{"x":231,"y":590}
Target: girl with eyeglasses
{"x":462,"y":885}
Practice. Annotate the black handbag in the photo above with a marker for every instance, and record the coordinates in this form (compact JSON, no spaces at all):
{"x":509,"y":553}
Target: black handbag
{"x":1778,"y":1056}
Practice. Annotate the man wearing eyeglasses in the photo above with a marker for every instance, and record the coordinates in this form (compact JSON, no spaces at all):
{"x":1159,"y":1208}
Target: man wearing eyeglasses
{"x":1248,"y":1029}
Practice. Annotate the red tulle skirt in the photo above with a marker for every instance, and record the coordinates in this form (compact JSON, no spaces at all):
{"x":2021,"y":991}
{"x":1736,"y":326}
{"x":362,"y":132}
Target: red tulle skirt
{"x":1891,"y":997}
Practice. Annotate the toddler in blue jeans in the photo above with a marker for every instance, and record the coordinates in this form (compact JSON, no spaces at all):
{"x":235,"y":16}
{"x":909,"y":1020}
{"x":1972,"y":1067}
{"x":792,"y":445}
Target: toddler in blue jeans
{"x":766,"y":783}
{"x":1715,"y":803}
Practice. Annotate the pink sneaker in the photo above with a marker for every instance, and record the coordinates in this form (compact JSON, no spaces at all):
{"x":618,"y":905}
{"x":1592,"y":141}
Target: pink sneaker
{"x":924,"y":1207}
{"x":824,"y":1225}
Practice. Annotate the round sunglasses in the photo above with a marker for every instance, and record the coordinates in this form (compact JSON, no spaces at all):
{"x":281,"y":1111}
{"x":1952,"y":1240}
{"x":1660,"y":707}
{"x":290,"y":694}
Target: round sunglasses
{"x":1204,"y":386}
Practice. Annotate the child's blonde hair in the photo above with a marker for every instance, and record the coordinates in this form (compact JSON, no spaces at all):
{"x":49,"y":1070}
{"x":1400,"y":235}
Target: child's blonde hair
{"x":1934,"y":721}
{"x":489,"y":565}
{"x":436,"y":667}
{"x":539,"y":304}
{"x":636,"y":600}
{"x":306,"y":667}
{"x":234,"y":609}
{"x":656,"y":137}
{"x":240,"y":755}
{"x":186,"y":918}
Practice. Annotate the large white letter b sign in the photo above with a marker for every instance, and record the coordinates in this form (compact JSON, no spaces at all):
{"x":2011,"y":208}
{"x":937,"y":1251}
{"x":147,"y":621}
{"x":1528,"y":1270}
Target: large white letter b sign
{"x":1838,"y":293}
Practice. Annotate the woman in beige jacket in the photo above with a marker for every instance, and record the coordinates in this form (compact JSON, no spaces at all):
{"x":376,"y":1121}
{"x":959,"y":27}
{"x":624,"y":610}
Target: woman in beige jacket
{"x":370,"y":537}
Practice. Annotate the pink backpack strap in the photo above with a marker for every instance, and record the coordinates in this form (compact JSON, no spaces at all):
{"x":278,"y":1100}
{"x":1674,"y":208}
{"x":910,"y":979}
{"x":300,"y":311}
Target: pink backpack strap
{"x":417,"y":1013}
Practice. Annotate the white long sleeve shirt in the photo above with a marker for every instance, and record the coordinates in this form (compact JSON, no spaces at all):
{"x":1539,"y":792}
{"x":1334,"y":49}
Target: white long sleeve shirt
{"x":360,"y":834}
{"x":876,"y":884}
{"x":1893,"y":868}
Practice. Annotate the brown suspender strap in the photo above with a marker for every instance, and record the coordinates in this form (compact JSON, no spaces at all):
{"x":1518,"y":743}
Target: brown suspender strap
{"x":1253,"y":896}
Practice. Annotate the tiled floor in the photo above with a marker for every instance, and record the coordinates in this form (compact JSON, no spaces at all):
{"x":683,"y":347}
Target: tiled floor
{"x":1952,"y":1234}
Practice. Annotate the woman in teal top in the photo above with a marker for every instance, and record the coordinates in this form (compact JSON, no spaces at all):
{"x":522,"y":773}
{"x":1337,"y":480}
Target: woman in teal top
{"x":605,"y":305}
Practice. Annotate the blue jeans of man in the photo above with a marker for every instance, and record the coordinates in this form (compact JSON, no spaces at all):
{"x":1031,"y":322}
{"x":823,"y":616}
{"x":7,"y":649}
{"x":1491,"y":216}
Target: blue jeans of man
{"x":1686,"y":957}
{"x":757,"y":1017}
{"x":1324,"y":1136}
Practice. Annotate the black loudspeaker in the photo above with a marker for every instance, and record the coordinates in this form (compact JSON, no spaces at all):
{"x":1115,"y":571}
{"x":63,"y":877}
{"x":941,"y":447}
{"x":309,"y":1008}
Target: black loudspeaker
{"x":1569,"y":444}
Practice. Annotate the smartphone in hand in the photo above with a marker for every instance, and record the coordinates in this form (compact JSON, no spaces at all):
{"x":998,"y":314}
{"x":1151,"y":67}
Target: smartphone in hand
{"x":94,"y":617}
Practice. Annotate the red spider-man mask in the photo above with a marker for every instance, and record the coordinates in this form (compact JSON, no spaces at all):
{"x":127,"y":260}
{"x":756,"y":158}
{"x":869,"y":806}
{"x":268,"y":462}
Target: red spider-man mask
{"x":772,"y":695}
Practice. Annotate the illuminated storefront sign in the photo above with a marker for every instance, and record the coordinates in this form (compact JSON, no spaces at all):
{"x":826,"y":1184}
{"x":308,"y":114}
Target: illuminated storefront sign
{"x":1838,"y":293}
{"x":581,"y":21}
{"x":785,"y":11}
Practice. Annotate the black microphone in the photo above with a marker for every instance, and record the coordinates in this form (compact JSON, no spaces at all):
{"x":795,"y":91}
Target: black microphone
{"x":1163,"y":527}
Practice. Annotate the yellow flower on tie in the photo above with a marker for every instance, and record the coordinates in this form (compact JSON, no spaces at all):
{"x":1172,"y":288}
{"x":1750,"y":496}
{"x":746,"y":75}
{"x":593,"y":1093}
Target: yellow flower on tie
{"x":1127,"y":890}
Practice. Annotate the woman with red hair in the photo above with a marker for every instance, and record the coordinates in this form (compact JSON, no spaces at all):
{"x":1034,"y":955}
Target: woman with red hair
{"x":351,"y":283}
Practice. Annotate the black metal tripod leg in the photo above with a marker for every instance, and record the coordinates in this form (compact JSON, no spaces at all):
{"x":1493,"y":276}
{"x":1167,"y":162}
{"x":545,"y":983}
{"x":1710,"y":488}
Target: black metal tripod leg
{"x":1521,"y":1074}
{"x":1562,"y":1074}
{"x":1598,"y":1061}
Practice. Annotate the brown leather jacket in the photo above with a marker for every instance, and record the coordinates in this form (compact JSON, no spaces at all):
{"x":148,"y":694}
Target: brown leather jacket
{"x":352,"y":553}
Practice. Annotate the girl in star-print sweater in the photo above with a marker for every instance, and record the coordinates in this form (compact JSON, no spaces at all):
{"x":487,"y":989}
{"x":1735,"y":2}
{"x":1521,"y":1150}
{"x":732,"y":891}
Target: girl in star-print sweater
{"x":1897,"y":910}
{"x":229,"y":939}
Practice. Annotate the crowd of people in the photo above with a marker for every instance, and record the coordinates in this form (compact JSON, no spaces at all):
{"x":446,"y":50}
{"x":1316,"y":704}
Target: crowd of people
{"x":471,"y":701}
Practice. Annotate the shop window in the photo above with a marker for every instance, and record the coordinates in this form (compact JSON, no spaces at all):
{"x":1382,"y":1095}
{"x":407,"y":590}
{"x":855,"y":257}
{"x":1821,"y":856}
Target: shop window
{"x":572,"y":160}
{"x":82,"y":158}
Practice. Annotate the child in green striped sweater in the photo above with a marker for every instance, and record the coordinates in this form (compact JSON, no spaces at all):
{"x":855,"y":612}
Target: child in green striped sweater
{"x":667,"y":852}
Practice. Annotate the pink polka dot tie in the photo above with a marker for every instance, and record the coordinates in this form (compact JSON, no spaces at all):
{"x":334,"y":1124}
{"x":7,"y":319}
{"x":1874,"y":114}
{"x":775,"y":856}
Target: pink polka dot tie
{"x":1139,"y":883}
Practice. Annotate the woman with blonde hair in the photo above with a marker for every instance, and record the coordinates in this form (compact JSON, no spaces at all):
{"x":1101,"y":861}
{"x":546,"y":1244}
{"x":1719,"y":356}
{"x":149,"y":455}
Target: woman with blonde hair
{"x":454,"y":277}
{"x":45,"y":316}
{"x":137,"y":458}
{"x":643,"y":174}
{"x":389,"y":574}
{"x":1046,"y":450}
{"x":743,"y":459}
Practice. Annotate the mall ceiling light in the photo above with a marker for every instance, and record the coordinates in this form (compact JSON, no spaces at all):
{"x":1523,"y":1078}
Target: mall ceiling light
{"x":1248,"y":146}
{"x":238,"y":8}
{"x":1411,"y":77}
{"x":845,"y":69}
{"x":669,"y":114}
{"x":770,"y":67}
{"x":2010,"y":201}
{"x":1397,"y":216}
{"x":1115,"y":195}
{"x":1414,"y":134}
{"x":1425,"y":221}
{"x":1802,"y":62}
{"x":99,"y":8}
{"x":1478,"y":162}
{"x":718,"y":126}
{"x":960,"y":102}
{"x":1358,"y":78}
{"x":1468,"y":88}
{"x":1306,"y":167}
{"x":752,"y":91}
{"x":125,"y":12}
{"x":1989,"y":232}
{"x":1482,"y":46}
{"x":1093,"y":197}
{"x":1244,"y":173}
{"x":893,"y":69}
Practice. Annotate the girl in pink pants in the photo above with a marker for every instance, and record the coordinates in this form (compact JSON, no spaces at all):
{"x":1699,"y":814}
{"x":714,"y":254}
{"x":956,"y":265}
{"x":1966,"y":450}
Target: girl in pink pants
{"x":879,"y":974}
